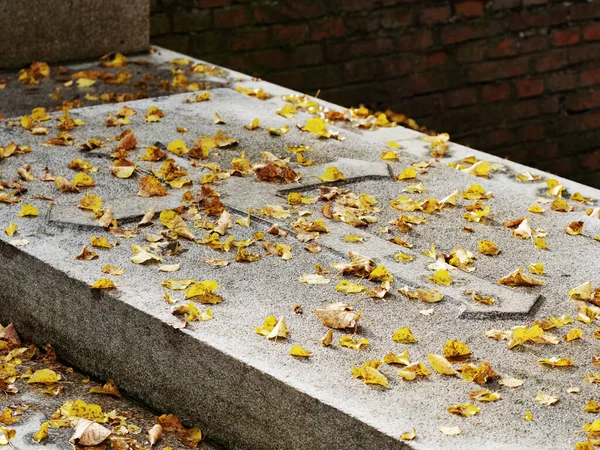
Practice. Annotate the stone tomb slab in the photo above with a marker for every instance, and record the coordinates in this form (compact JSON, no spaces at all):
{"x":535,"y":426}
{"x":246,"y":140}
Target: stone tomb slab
{"x":248,"y":392}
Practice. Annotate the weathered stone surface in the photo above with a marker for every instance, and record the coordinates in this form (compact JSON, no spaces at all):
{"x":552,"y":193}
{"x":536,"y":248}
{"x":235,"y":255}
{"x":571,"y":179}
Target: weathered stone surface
{"x":249,"y":392}
{"x":151,"y":76}
{"x":56,"y":30}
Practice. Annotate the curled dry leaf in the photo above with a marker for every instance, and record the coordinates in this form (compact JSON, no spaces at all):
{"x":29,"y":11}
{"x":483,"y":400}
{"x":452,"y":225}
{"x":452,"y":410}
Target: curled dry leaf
{"x":88,"y":433}
{"x":155,"y":434}
{"x":339,"y":315}
{"x":518,"y":278}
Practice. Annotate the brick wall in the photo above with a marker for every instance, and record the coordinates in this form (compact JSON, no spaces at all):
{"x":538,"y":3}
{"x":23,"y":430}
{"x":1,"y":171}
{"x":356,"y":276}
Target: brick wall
{"x":517,"y":78}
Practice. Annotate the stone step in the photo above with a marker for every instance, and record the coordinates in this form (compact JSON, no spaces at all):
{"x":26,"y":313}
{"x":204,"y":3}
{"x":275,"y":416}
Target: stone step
{"x":246,"y":390}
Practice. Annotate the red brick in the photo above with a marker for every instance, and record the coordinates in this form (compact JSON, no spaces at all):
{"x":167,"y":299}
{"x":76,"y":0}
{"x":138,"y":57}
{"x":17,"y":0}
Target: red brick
{"x":415,"y":41}
{"x":496,"y":92}
{"x":585,"y":11}
{"x":506,"y":47}
{"x":432,"y":61}
{"x":590,"y":77}
{"x":529,"y":87}
{"x":471,"y":51}
{"x":527,"y":3}
{"x":396,"y":66}
{"x":361,"y":70}
{"x":427,"y":82}
{"x":583,"y":53}
{"x":494,"y":70}
{"x":211,"y":3}
{"x":353,"y":49}
{"x":461,"y":33}
{"x":559,"y":82}
{"x":470,"y":8}
{"x":582,"y":102}
{"x":498,"y":137}
{"x":290,"y":34}
{"x":551,"y":61}
{"x":592,"y":32}
{"x":590,"y":120}
{"x":270,"y":59}
{"x":231,"y":18}
{"x":252,"y":39}
{"x":496,"y":5}
{"x":396,"y":18}
{"x":328,"y":28}
{"x":435,"y":14}
{"x":540,"y":19}
{"x":461,"y":97}
{"x":563,"y":38}
{"x":531,"y":132}
{"x":591,"y":162}
{"x":534,"y":44}
{"x":308,"y":55}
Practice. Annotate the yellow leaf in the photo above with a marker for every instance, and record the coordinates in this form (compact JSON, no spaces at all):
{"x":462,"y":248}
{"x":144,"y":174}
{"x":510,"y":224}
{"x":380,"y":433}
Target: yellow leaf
{"x":11,"y":229}
{"x":484,"y":396}
{"x":555,"y":189}
{"x":380,"y":273}
{"x":560,"y":204}
{"x":28,"y":211}
{"x":537,"y":209}
{"x":488,"y":248}
{"x":442,"y":277}
{"x":287,"y":111}
{"x":177,"y":285}
{"x":582,"y":292}
{"x":317,"y":126}
{"x":84,"y":180}
{"x":112,"y":270}
{"x":91,"y":202}
{"x":101,"y":242}
{"x":110,"y":388}
{"x":518,"y":278}
{"x":403,"y":336}
{"x":528,"y":416}
{"x":348,"y":287}
{"x":456,"y":351}
{"x":41,"y":434}
{"x":540,"y":243}
{"x":574,"y":228}
{"x":476,"y":192}
{"x":464,"y":409}
{"x":409,"y":435}
{"x":441,"y":365}
{"x":331,"y":174}
{"x":103,"y":283}
{"x":476,"y":216}
{"x":574,"y":333}
{"x":7,"y":417}
{"x":253,"y":125}
{"x":355,"y":344}
{"x":592,"y":407}
{"x":177,"y":147}
{"x":407,"y":174}
{"x":299,"y":351}
{"x":402,"y":358}
{"x":370,"y":374}
{"x":389,"y":155}
{"x":537,"y":268}
{"x":521,"y":335}
{"x":85,"y":82}
{"x":142,"y":255}
{"x":44,"y":376}
{"x":338,"y":315}
{"x":403,"y":257}
{"x":556,"y":362}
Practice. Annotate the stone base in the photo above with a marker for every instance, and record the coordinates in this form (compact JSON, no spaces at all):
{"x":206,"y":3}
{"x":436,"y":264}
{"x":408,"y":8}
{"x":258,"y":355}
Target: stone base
{"x":58,"y":30}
